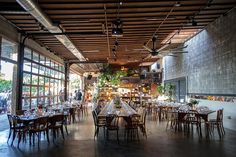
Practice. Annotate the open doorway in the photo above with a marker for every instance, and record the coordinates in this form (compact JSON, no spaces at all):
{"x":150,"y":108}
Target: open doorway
{"x":8,"y":71}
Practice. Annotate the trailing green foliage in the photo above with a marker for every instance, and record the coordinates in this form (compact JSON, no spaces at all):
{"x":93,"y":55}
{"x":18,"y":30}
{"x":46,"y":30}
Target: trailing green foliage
{"x":110,"y":76}
{"x":5,"y":85}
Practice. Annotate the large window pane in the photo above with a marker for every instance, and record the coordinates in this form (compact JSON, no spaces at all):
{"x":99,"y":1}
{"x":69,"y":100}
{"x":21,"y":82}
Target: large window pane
{"x":25,"y":103}
{"x":48,"y":62}
{"x":52,"y":64}
{"x":34,"y":80}
{"x":9,"y":50}
{"x":34,"y":91}
{"x":34,"y":102}
{"x":42,"y":60}
{"x":26,"y":91}
{"x":26,"y":78}
{"x":35,"y":68}
{"x":41,"y":91}
{"x":42,"y":70}
{"x":27,"y":53}
{"x":35,"y":57}
{"x":41,"y":80}
{"x":27,"y":66}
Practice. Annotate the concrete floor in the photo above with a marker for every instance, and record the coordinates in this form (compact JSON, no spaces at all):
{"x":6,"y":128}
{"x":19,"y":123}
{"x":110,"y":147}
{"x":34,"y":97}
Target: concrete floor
{"x":159,"y":143}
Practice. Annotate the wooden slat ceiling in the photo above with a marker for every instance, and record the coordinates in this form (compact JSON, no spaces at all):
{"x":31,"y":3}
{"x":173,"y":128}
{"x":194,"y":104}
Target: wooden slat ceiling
{"x":140,"y":20}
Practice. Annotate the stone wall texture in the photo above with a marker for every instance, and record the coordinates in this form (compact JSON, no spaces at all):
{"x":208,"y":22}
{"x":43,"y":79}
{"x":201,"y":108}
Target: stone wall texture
{"x":210,"y":64}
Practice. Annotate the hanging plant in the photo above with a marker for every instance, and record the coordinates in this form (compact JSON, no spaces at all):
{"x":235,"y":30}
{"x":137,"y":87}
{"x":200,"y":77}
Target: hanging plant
{"x":110,"y":76}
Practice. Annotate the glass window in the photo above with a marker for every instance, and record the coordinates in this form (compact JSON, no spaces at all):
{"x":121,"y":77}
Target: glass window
{"x":26,"y":78}
{"x":42,"y":70}
{"x":47,"y":71}
{"x":35,"y":68}
{"x":52,"y":64}
{"x":25,"y":103}
{"x":34,"y":91}
{"x":35,"y":57}
{"x":42,"y":60}
{"x":34,"y":80}
{"x":27,"y":66}
{"x":34,"y":103}
{"x":56,"y":66}
{"x":27,"y":53}
{"x":41,"y":91}
{"x":9,"y":50}
{"x":47,"y":62}
{"x":26,"y":91}
{"x":41,"y":80}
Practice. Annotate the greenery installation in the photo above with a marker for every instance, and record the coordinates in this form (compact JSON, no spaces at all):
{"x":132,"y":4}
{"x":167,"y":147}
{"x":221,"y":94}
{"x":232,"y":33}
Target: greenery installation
{"x":167,"y":89}
{"x":110,"y":76}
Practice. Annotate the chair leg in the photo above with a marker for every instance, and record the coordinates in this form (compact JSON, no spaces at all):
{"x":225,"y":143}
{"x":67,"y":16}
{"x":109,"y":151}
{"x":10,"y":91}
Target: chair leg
{"x":66,"y":129}
{"x":117,"y":134}
{"x":10,"y":132}
{"x":14,"y":136}
{"x":218,"y":129}
{"x":19,"y":138}
{"x":47,"y":136}
{"x":62,"y":133}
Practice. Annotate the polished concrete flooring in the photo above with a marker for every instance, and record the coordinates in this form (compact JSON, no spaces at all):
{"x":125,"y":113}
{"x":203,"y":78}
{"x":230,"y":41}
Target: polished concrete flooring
{"x":159,"y":143}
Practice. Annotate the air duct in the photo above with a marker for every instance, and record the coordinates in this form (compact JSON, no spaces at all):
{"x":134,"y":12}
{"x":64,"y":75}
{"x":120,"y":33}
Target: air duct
{"x":32,"y":7}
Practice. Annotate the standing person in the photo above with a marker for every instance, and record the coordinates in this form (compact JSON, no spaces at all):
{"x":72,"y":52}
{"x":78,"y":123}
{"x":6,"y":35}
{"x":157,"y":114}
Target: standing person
{"x":79,"y":95}
{"x":61,"y":96}
{"x":75,"y":95}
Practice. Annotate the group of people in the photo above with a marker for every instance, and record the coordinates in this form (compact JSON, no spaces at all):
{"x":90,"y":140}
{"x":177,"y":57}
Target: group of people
{"x":78,"y":95}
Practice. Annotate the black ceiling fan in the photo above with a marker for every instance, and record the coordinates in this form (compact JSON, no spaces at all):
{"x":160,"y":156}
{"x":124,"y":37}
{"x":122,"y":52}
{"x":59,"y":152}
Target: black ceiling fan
{"x":154,"y":51}
{"x":163,"y":51}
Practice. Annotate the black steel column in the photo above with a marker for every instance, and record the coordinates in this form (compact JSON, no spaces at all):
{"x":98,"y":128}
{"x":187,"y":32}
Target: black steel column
{"x":20,"y":73}
{"x":67,"y":71}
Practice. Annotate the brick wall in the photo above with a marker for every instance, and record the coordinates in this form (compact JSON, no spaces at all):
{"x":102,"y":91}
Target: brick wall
{"x":210,"y":65}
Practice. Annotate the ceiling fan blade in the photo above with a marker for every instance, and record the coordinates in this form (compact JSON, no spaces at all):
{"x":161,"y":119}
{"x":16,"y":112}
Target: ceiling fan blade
{"x":149,"y":56}
{"x":178,"y":52}
{"x":172,"y":55}
{"x":146,"y":48}
{"x":179,"y":48}
{"x":163,"y":47}
{"x":92,"y":51}
{"x":139,"y":49}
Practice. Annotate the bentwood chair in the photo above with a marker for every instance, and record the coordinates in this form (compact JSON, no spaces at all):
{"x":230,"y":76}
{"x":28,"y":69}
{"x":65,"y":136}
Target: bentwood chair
{"x":112,"y":121}
{"x":142,"y":122}
{"x":131,"y":128}
{"x":98,"y":123}
{"x":218,"y":123}
{"x":40,"y":125}
{"x":56,"y":123}
{"x":192,"y":118}
{"x":16,"y":127}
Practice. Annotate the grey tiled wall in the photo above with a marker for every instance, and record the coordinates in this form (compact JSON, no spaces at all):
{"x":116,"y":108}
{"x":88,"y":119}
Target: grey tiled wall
{"x":210,"y":65}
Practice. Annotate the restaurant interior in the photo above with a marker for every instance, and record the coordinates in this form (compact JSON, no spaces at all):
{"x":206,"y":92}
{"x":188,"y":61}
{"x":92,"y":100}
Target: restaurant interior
{"x":117,"y":78}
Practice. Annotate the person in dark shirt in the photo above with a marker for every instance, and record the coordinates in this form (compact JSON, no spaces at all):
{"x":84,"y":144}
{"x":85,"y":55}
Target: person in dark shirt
{"x":79,"y":95}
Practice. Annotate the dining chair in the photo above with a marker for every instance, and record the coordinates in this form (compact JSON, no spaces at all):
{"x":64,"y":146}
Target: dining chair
{"x":131,"y":128}
{"x":192,"y":118}
{"x":218,"y":123}
{"x":98,"y":123}
{"x":142,"y":122}
{"x":56,"y":123}
{"x":112,"y":121}
{"x":39,"y":125}
{"x":16,"y":128}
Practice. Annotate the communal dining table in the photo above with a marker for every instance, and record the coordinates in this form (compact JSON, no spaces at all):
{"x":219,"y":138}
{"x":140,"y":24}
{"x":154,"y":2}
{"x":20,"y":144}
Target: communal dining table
{"x":123,"y":111}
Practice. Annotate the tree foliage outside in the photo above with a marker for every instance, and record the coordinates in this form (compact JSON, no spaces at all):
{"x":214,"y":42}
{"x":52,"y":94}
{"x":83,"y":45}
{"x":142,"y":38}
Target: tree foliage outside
{"x":5,"y":85}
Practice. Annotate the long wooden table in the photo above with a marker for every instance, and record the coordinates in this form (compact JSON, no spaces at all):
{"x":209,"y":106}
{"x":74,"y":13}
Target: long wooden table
{"x":124,"y":111}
